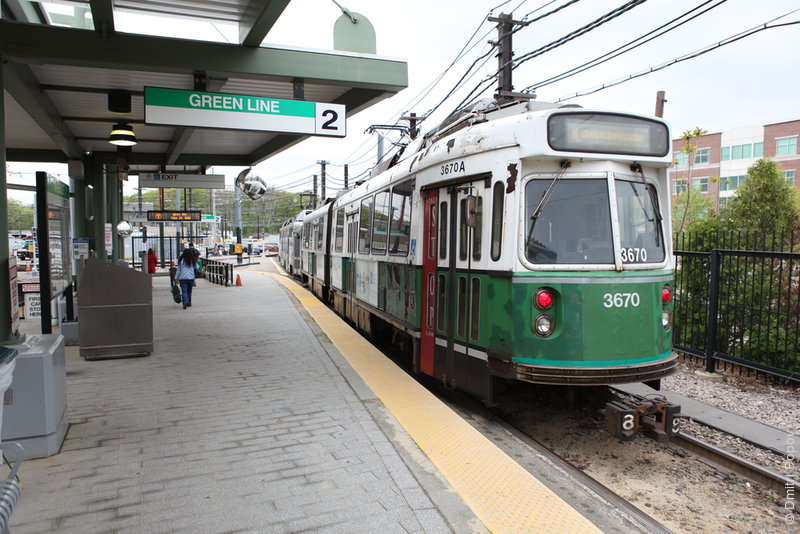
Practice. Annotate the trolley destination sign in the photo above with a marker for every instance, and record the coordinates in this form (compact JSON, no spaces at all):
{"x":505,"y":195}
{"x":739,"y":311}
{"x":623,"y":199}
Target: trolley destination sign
{"x":169,"y":216}
{"x":199,"y":109}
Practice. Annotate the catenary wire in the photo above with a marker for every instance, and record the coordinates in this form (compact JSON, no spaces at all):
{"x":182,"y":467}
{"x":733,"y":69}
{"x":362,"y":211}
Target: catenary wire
{"x":627,"y":46}
{"x":686,"y":57}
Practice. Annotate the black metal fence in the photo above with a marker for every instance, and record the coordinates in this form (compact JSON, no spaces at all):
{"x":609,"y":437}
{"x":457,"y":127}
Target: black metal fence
{"x":218,"y":272}
{"x":737,"y":305}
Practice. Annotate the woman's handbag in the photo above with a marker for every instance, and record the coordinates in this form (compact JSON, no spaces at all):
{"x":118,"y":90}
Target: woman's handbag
{"x":176,"y":293}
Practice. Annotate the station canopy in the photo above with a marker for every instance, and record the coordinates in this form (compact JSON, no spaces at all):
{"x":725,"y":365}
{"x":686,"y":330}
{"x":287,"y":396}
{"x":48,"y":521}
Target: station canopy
{"x":60,"y":65}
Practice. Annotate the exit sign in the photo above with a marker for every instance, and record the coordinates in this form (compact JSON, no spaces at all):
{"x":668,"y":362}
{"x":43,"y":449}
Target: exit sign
{"x":175,"y":107}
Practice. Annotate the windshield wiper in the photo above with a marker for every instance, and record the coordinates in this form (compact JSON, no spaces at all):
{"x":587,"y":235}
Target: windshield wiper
{"x":547,"y":194}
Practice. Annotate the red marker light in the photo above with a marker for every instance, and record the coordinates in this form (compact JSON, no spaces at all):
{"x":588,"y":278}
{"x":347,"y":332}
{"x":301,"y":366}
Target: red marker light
{"x":666,"y":295}
{"x":544,"y":299}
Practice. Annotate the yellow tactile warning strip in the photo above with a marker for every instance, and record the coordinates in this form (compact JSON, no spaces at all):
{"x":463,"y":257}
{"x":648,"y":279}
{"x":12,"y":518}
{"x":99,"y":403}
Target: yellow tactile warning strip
{"x":503,"y":495}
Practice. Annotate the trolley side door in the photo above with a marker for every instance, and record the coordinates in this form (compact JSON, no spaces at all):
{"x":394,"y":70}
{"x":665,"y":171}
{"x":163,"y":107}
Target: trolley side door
{"x":431,"y":229}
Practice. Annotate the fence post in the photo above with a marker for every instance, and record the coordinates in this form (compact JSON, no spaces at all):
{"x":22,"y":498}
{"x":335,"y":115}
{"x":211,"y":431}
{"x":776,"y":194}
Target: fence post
{"x":713,"y":315}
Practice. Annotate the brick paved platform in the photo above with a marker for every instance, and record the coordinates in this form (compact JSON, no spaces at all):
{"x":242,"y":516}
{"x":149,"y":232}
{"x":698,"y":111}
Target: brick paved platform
{"x":244,"y":419}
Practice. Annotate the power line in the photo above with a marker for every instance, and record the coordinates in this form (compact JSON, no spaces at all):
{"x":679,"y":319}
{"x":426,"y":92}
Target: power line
{"x":691,"y":55}
{"x":627,"y":46}
{"x":611,"y":15}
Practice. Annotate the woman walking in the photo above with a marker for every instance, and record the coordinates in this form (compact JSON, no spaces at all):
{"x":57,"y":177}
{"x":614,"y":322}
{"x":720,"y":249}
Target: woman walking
{"x":185,"y":275}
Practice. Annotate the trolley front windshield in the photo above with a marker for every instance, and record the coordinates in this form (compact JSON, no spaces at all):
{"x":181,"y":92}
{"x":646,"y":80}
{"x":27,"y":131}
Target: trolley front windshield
{"x":574,"y":225}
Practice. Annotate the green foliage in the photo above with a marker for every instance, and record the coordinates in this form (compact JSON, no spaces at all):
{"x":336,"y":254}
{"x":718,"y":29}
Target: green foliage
{"x":20,"y":216}
{"x":693,"y":209}
{"x":766,"y":202}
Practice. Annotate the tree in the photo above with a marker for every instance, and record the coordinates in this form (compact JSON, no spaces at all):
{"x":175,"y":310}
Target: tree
{"x":692,"y":209}
{"x":20,"y":216}
{"x":766,"y":202}
{"x":689,"y":149}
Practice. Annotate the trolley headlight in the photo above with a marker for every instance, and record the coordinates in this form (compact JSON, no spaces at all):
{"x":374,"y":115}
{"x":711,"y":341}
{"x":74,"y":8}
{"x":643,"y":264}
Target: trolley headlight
{"x":666,"y":318}
{"x":543,"y":325}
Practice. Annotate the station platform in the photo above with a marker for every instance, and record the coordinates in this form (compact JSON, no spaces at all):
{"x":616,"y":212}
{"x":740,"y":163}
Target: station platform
{"x":261,"y":411}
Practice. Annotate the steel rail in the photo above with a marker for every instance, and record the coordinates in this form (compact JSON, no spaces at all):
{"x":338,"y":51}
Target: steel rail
{"x":731,"y":462}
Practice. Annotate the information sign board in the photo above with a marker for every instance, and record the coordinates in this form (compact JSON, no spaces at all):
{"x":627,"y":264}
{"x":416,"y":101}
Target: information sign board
{"x":185,"y":181}
{"x":174,"y":107}
{"x":80,"y":247}
{"x":167,"y":216}
{"x":58,"y":228}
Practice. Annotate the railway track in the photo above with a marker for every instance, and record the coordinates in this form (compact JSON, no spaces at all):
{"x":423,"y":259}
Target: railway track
{"x":722,"y":459}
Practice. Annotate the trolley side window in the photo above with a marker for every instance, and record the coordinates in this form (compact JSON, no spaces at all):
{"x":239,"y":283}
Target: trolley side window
{"x":498,"y":195}
{"x":441,"y":302}
{"x":307,"y":235}
{"x":339,"y":240}
{"x":462,"y":307}
{"x":463,"y":230}
{"x":477,"y":232}
{"x":475,"y":312}
{"x":443,"y":220}
{"x":573,"y":225}
{"x":318,"y":231}
{"x":380,"y":222}
{"x":363,"y":225}
{"x":400,"y":229}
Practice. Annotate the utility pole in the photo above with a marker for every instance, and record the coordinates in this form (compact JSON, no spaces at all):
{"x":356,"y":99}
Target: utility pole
{"x":505,"y":56}
{"x":314,"y":195}
{"x":412,"y":125}
{"x":322,"y":177}
{"x":660,"y":100}
{"x":504,"y":29}
{"x":346,"y":175}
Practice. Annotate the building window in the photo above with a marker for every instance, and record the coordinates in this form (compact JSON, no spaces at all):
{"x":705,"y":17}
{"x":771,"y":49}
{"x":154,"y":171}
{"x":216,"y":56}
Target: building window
{"x":785,"y":146}
{"x":736,"y":152}
{"x":681,"y":158}
{"x":700,"y":184}
{"x":758,"y":150}
{"x":789,"y":176}
{"x":678,"y":187}
{"x":702,"y":155}
{"x":731,"y":183}
{"x":726,"y":153}
{"x":724,"y":201}
{"x":747,"y":151}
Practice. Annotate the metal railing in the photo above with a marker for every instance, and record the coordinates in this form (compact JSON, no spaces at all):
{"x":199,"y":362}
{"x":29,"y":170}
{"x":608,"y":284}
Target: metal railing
{"x":218,"y":272}
{"x":173,"y":246}
{"x":739,"y":306}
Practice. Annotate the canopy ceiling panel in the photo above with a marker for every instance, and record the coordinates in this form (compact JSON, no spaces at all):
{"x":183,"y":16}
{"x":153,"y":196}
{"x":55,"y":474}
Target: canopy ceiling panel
{"x":57,"y":78}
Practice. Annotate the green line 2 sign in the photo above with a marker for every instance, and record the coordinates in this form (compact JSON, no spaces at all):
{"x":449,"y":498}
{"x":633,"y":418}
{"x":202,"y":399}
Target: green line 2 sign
{"x":198,"y":109}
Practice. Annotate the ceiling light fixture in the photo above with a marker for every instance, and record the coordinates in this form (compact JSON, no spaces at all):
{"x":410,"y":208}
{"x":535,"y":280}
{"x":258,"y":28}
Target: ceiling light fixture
{"x":122,"y":135}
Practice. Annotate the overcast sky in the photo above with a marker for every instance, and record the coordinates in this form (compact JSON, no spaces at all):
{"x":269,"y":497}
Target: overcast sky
{"x":752,"y":81}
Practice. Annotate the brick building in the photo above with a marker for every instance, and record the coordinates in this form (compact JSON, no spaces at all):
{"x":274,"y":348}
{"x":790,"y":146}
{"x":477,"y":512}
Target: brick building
{"x":721,"y":161}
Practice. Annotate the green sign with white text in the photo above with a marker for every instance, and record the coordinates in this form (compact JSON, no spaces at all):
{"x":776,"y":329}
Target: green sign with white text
{"x":199,"y":109}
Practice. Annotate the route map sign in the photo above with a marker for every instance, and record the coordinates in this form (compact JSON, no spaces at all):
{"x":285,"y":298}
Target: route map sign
{"x":169,"y":216}
{"x":175,"y":107}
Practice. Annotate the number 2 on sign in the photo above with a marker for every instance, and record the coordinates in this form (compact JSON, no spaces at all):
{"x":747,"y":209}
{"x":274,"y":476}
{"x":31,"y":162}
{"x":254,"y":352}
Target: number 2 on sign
{"x":621,"y":300}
